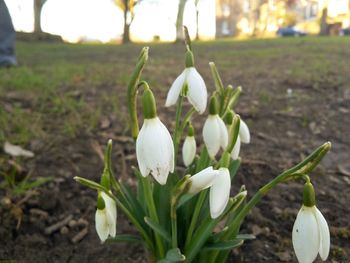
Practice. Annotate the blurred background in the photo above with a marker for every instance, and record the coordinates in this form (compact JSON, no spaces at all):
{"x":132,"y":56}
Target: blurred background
{"x":161,"y":20}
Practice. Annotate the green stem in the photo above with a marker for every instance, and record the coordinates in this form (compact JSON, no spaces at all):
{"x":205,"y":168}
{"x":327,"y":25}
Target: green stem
{"x":132,"y":91}
{"x":195,"y":215}
{"x":173,"y":223}
{"x":186,"y":119}
{"x":153,"y":213}
{"x":177,"y":135}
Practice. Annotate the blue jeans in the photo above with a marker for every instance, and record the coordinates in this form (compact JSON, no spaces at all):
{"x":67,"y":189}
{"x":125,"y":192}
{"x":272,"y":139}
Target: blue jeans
{"x":7,"y":37}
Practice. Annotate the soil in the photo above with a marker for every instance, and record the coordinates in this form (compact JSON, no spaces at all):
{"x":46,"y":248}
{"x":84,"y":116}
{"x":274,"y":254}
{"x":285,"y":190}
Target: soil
{"x":287,"y":119}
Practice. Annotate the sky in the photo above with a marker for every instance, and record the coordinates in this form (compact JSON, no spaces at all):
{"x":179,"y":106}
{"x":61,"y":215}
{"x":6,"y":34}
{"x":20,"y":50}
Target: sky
{"x":102,"y":20}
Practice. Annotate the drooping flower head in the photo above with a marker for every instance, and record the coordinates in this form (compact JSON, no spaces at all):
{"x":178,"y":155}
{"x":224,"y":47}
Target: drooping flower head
{"x":189,"y":147}
{"x":214,"y":131}
{"x":244,"y":133}
{"x":105,"y":216}
{"x":154,"y":146}
{"x":310,"y":231}
{"x":219,"y":182}
{"x":238,"y":132}
{"x":202,"y":180}
{"x":191,"y":84}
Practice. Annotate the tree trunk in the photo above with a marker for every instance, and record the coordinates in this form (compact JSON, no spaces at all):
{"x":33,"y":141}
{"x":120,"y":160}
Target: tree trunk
{"x":179,"y":21}
{"x":323,"y":23}
{"x":197,"y":24}
{"x":37,"y":15}
{"x":126,"y":32}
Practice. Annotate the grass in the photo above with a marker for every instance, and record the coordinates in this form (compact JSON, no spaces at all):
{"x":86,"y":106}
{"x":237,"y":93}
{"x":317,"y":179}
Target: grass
{"x":64,"y":89}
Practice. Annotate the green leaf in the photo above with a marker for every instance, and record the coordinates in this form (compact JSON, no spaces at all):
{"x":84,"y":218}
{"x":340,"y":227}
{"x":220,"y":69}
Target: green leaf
{"x":158,"y":229}
{"x":233,"y":168}
{"x":245,"y":236}
{"x":183,"y":199}
{"x":203,"y":161}
{"x":125,"y":238}
{"x":90,"y":184}
{"x":172,"y":256}
{"x":25,"y":185}
{"x":134,"y":204}
{"x":225,"y":245}
{"x":217,"y":80}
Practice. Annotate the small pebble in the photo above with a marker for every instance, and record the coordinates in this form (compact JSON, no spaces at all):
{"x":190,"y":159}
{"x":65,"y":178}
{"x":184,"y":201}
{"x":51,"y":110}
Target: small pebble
{"x":72,"y":223}
{"x":64,"y":230}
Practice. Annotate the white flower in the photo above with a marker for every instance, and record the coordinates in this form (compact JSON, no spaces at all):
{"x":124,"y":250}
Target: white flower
{"x":155,"y":150}
{"x":203,"y":180}
{"x":219,"y":193}
{"x":236,"y":149}
{"x":189,"y":150}
{"x":197,"y":91}
{"x":244,"y":133}
{"x":310,"y":235}
{"x":215,"y":134}
{"x":106,"y":218}
{"x":243,"y":137}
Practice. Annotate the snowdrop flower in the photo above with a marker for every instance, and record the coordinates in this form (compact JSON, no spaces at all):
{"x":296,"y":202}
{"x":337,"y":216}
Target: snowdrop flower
{"x":105,"y":217}
{"x":214,"y":131}
{"x":189,"y":147}
{"x":236,"y":149}
{"x":244,"y":132}
{"x":203,"y":180}
{"x":154,"y":146}
{"x":219,"y":182}
{"x":219,"y":193}
{"x":310,"y":231}
{"x":195,"y":91}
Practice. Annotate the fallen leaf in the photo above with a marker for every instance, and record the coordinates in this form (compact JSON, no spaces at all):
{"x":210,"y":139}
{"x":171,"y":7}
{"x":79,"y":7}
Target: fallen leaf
{"x":15,"y":150}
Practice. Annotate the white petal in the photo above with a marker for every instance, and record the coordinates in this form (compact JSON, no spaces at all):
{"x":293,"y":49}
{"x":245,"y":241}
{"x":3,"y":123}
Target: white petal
{"x":154,"y":145}
{"x":236,"y":149}
{"x":140,"y":151}
{"x":175,"y":89}
{"x":220,"y":193}
{"x":244,"y":132}
{"x":101,"y":224}
{"x":324,"y":235}
{"x":189,"y":150}
{"x":197,"y":91}
{"x":203,"y":180}
{"x":305,"y":237}
{"x":223,"y":132}
{"x":211,"y":135}
{"x":111,"y":209}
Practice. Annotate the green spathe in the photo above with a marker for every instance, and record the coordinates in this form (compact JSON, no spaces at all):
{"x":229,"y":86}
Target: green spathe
{"x":189,"y":59}
{"x":100,"y":202}
{"x":149,"y":104}
{"x":213,"y":109}
{"x":309,"y":199}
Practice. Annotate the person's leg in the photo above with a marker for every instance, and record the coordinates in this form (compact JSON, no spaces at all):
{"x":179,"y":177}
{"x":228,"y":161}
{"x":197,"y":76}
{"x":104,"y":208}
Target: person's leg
{"x":7,"y":37}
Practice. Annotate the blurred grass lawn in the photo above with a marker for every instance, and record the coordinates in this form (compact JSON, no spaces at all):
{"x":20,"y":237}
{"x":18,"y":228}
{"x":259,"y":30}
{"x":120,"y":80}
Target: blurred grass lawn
{"x":63,"y":89}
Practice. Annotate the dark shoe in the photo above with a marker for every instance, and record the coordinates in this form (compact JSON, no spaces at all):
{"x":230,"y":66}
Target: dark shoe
{"x":7,"y":63}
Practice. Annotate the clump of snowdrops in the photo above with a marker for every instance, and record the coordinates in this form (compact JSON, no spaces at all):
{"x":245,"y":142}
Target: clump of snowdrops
{"x":192,"y":216}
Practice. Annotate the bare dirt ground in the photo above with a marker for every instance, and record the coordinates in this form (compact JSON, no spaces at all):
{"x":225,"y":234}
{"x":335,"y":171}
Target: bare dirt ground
{"x":296,"y":97}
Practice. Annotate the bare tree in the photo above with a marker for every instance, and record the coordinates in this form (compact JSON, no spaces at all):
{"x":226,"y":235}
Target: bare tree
{"x":197,"y":22}
{"x":179,"y":20}
{"x":38,"y":5}
{"x":128,"y":7}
